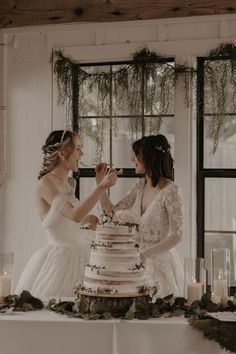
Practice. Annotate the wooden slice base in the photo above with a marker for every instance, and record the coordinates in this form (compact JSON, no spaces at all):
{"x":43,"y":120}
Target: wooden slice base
{"x":114,"y":303}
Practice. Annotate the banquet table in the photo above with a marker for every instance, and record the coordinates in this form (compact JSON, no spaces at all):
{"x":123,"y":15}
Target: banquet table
{"x":46,"y":332}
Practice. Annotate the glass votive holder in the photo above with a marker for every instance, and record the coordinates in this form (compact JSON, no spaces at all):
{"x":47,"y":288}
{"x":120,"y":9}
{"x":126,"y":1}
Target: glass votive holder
{"x":220,"y":275}
{"x":193,"y":288}
{"x":6,"y":265}
{"x":201,"y":273}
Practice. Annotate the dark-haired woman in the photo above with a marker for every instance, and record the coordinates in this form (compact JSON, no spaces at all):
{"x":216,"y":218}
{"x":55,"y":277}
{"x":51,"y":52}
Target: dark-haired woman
{"x":155,"y":204}
{"x":55,"y":269}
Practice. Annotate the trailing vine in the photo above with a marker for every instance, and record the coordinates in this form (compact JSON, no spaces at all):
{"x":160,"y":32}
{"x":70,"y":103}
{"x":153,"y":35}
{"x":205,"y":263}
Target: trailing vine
{"x":220,"y":90}
{"x":144,"y":85}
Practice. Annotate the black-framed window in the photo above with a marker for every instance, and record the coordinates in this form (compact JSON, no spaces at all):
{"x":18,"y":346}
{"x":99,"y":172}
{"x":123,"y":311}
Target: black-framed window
{"x":115,"y":120}
{"x":216,"y":172}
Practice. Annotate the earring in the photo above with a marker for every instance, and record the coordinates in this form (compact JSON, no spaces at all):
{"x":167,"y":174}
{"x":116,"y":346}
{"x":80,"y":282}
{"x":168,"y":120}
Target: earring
{"x":62,"y":158}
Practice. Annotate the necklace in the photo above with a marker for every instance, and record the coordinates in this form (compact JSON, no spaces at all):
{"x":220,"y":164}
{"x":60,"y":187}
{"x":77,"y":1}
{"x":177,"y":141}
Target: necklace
{"x":59,"y":177}
{"x":67,"y":183}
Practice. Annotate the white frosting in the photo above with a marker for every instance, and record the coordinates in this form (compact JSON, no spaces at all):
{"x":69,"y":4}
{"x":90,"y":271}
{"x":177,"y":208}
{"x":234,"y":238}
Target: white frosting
{"x":113,"y":261}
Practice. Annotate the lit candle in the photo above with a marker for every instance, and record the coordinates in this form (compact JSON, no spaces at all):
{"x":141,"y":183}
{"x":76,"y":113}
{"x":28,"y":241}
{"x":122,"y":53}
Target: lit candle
{"x":5,"y":285}
{"x":220,"y":289}
{"x":194,"y":292}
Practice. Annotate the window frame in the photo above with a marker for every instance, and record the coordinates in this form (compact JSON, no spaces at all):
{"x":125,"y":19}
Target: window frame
{"x":204,"y":173}
{"x":90,"y":172}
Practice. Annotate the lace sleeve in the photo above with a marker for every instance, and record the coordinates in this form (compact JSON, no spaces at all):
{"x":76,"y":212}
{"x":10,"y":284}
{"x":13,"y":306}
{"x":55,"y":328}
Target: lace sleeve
{"x":173,"y":204}
{"x":126,"y":203}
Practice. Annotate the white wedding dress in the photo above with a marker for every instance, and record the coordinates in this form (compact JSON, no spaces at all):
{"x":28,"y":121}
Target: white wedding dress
{"x":54,"y":270}
{"x":160,"y":229}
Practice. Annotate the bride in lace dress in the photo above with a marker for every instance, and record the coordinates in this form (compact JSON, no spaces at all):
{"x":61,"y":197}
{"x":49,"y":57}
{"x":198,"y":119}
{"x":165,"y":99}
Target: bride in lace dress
{"x":55,"y":269}
{"x":155,"y":204}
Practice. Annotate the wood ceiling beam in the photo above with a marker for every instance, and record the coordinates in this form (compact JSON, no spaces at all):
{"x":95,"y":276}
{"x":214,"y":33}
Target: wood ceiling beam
{"x":15,"y":13}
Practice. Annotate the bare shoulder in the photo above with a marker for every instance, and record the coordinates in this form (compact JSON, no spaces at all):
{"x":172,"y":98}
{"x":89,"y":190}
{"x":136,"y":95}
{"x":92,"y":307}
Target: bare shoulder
{"x":45,"y":186}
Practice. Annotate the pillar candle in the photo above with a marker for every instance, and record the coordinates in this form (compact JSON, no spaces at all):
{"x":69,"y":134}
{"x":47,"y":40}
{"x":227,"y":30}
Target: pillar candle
{"x":220,"y":289}
{"x":194,"y":292}
{"x":215,"y":298}
{"x":5,"y":285}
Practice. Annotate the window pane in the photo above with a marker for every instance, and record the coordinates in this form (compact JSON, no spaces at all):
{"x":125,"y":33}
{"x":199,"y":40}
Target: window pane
{"x":122,"y":140}
{"x":122,"y":186}
{"x":221,"y":241}
{"x":225,"y":156}
{"x":164,"y":126}
{"x":220,"y":203}
{"x":159,"y":92}
{"x":124,"y":102}
{"x":93,"y":102}
{"x":219,"y":77}
{"x":96,"y":140}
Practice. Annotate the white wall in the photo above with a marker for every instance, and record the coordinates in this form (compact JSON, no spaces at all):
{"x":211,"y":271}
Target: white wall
{"x":31,"y":111}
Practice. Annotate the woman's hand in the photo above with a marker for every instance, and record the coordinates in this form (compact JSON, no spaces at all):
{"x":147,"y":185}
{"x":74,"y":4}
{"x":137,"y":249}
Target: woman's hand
{"x":108,"y":180}
{"x":101,"y":171}
{"x":92,"y":221}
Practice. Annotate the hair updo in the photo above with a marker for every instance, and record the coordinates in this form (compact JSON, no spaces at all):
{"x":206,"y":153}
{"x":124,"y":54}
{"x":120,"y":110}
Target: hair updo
{"x":57,"y":140}
{"x":154,"y":152}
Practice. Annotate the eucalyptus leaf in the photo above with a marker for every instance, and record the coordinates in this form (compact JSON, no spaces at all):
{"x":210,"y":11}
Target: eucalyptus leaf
{"x":131,"y":312}
{"x":168,"y":298}
{"x":82,"y":307}
{"x":100,"y":308}
{"x":26,"y":297}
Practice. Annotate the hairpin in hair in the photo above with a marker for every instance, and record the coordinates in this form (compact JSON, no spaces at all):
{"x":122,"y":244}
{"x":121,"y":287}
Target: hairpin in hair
{"x":160,"y":148}
{"x":63,"y":135}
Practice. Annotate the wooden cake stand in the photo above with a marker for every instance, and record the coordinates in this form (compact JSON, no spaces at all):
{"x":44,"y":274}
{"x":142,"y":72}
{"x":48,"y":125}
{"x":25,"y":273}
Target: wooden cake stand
{"x":112,"y":302}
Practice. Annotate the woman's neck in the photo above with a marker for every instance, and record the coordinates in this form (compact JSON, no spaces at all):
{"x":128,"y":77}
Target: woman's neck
{"x":148,"y":182}
{"x":60,"y":172}
{"x":162,"y":182}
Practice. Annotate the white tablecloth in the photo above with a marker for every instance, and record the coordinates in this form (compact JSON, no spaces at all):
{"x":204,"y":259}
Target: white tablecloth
{"x":45,"y":332}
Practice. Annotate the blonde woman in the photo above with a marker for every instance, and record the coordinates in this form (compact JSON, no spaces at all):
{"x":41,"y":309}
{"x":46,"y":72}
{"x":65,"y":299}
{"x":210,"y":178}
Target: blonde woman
{"x":55,"y":269}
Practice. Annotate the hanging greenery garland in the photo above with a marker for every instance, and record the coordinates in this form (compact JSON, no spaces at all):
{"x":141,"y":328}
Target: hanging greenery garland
{"x":220,"y":91}
{"x":143,"y":85}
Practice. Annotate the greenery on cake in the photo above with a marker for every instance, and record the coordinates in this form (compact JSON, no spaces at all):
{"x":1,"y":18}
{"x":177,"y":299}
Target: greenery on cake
{"x":112,"y":219}
{"x":106,"y":244}
{"x":137,"y":267}
{"x":95,"y":267}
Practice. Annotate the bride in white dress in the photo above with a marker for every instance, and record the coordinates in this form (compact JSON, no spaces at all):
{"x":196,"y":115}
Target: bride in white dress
{"x":155,"y":204}
{"x":55,"y":269}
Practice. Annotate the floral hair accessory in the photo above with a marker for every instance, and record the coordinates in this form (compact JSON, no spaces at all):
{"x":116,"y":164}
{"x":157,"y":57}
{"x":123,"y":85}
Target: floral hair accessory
{"x":160,"y":148}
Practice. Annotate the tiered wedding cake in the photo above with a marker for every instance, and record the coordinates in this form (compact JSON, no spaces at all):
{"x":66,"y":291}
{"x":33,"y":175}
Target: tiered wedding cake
{"x":114,"y":265}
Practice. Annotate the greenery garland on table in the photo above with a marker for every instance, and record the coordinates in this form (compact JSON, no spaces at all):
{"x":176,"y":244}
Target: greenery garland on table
{"x":197,"y":313}
{"x":23,"y":302}
{"x":213,"y":329}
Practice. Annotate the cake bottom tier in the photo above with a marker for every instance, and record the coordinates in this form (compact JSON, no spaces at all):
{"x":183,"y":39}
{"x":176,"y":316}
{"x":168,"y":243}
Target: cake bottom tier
{"x":116,"y":281}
